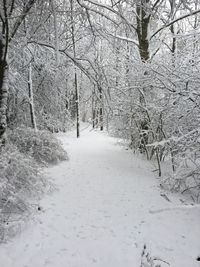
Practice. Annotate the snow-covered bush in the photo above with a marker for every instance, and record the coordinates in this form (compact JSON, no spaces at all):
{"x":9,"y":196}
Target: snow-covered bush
{"x":164,"y":123}
{"x":41,"y":145}
{"x":20,"y":174}
{"x":20,"y":179}
{"x":185,"y":158}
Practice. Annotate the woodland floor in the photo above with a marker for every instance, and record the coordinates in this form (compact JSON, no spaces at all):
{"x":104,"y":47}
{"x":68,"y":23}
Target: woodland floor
{"x":106,"y":207}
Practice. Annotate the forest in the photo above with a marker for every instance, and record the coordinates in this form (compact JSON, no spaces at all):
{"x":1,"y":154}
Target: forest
{"x":129,"y":68}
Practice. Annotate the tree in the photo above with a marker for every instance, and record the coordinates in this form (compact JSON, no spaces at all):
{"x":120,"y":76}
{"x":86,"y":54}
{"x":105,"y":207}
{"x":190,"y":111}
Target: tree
{"x":8,"y":32}
{"x":75,"y":72}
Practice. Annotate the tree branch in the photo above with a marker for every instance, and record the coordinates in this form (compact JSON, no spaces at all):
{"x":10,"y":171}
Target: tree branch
{"x":19,"y":21}
{"x":174,"y":21}
{"x":71,"y":57}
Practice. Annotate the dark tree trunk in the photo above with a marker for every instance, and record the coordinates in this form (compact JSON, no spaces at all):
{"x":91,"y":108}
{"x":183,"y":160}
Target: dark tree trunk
{"x":3,"y":88}
{"x":172,"y":29}
{"x":77,"y":106}
{"x":143,"y":20}
{"x":93,"y":109}
{"x":75,"y":72}
{"x":5,"y":37}
{"x":101,"y":109}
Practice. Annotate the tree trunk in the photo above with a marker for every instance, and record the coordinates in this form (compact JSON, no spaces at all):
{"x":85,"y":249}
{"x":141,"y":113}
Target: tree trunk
{"x":93,"y":109}
{"x":5,"y":37}
{"x":99,"y":86}
{"x":75,"y":74}
{"x":31,"y":102}
{"x":101,"y":109}
{"x":172,"y":29}
{"x":56,"y":32}
{"x":143,"y":20}
{"x":3,"y":89}
{"x":77,"y":105}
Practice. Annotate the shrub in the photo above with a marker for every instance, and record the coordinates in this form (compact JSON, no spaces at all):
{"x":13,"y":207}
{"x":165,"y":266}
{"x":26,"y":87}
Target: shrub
{"x":20,"y":179}
{"x":41,"y":145}
{"x":21,"y":160}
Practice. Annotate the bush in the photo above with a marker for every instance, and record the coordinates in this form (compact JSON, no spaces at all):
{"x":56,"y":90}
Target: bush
{"x":41,"y":145}
{"x":20,"y":179}
{"x":21,"y":160}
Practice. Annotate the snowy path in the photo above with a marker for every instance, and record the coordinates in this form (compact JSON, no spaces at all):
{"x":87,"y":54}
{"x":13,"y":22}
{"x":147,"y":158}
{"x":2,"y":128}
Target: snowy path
{"x":101,"y":215}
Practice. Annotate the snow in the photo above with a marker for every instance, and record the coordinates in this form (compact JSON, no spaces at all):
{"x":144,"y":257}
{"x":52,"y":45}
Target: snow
{"x":106,"y":207}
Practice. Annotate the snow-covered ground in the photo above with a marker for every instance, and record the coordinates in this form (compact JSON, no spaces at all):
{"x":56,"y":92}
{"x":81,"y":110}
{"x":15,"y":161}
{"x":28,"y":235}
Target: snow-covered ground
{"x":107,"y":206}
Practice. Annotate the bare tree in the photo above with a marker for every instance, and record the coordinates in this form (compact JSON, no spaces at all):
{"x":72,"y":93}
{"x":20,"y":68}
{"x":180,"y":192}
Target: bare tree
{"x":75,"y":72}
{"x":8,"y":32}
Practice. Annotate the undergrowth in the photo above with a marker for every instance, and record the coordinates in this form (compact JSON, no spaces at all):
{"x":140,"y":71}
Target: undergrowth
{"x":41,"y":145}
{"x":21,"y":178}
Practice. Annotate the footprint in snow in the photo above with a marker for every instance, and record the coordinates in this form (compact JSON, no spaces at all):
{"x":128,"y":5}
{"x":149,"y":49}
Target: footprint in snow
{"x":47,"y":262}
{"x":64,"y":249}
{"x":136,"y":245}
{"x":65,"y":236}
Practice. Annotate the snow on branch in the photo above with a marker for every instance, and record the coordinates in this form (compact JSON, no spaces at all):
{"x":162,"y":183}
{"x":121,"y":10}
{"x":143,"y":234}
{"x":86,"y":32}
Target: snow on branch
{"x":173,"y":138}
{"x":174,"y":21}
{"x":75,"y":60}
{"x":126,"y":39}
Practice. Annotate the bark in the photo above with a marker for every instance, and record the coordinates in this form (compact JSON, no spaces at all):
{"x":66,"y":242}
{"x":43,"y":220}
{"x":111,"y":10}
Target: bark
{"x":172,"y":29}
{"x":31,"y":102}
{"x":173,"y":40}
{"x":158,"y":161}
{"x":5,"y":37}
{"x":143,"y":20}
{"x":99,"y":86}
{"x":97,"y":118}
{"x":3,"y":88}
{"x":77,"y":106}
{"x":117,"y":60}
{"x":93,"y":118}
{"x":101,"y":109}
{"x":56,"y":32}
{"x":93,"y":109}
{"x":195,"y":42}
{"x":75,"y":74}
